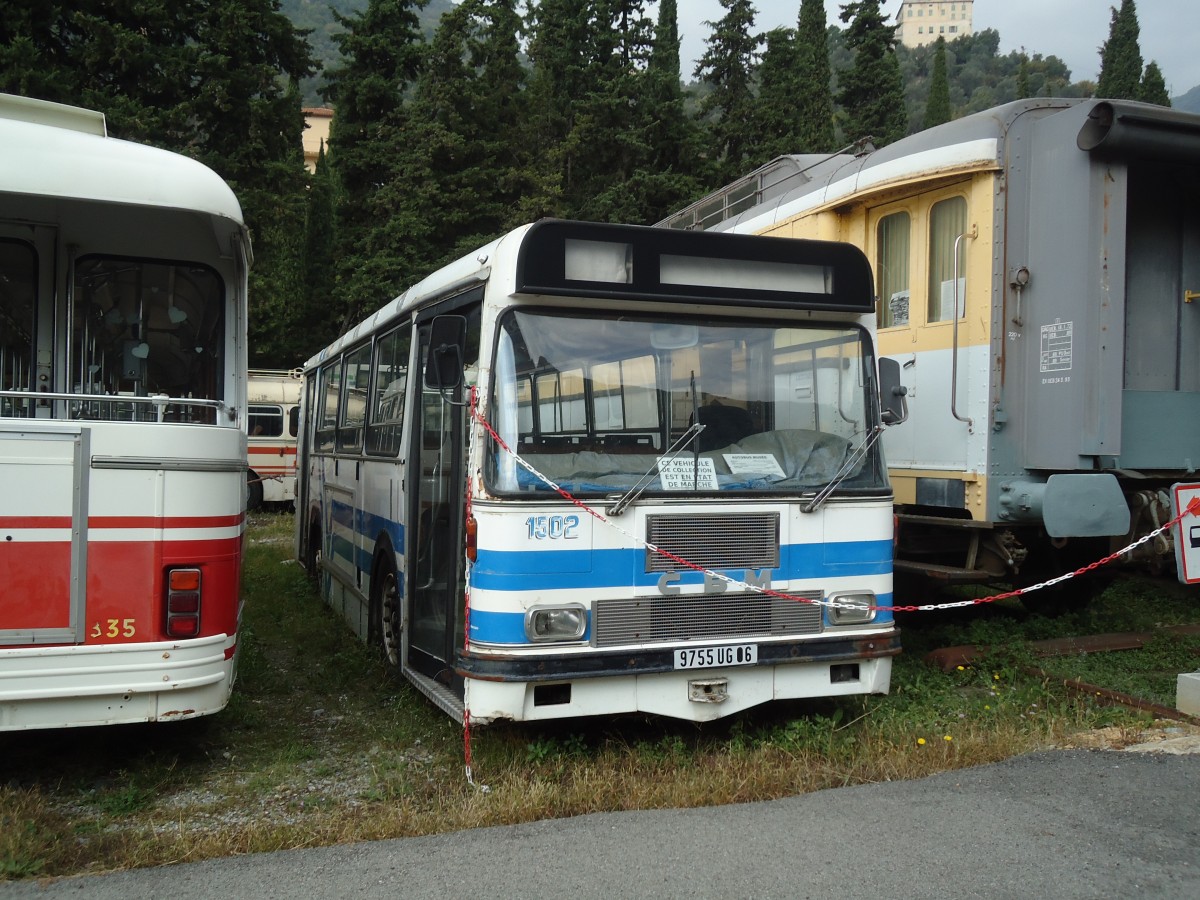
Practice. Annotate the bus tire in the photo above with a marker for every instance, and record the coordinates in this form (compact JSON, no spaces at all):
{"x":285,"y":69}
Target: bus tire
{"x":254,"y":491}
{"x":387,"y":622}
{"x":312,"y":552}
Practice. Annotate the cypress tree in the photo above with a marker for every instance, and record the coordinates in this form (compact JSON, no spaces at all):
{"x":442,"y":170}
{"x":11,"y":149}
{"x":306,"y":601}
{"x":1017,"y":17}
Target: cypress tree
{"x":613,"y":116}
{"x":462,"y":139}
{"x":779,"y":92}
{"x":673,"y":171}
{"x":559,"y":43}
{"x":872,"y":90}
{"x":729,"y":109}
{"x":1153,"y":88}
{"x":1023,"y":89}
{"x":1121,"y":57}
{"x":316,"y":318}
{"x":937,"y":108}
{"x":382,"y":49}
{"x":815,"y":133}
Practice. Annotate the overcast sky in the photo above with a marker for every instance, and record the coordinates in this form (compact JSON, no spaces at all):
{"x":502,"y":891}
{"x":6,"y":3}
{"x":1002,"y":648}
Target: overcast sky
{"x":1072,"y":30}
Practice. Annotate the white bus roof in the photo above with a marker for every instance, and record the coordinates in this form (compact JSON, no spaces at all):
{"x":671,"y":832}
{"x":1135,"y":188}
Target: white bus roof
{"x":52,"y":150}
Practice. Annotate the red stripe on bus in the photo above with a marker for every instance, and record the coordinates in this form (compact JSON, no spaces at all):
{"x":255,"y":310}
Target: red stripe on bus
{"x":35,"y":521}
{"x":14,"y":522}
{"x":165,"y":521}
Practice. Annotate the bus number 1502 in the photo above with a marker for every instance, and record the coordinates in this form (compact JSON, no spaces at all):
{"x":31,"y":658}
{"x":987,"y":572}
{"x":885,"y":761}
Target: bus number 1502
{"x":553,"y":528}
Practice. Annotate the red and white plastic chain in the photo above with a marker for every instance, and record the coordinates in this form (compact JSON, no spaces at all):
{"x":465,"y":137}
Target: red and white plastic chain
{"x":1193,"y":509}
{"x":474,"y":399}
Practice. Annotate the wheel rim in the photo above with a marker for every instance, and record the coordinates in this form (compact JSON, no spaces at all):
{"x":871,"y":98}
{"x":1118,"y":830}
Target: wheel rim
{"x":389,"y":620}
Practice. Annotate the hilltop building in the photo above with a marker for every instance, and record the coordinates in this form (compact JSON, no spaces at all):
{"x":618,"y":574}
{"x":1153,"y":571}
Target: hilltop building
{"x":921,"y":22}
{"x":316,"y":132}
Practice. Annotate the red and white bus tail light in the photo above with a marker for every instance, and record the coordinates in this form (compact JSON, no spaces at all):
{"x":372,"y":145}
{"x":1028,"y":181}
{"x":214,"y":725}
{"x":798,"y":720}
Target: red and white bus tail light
{"x":183,"y":603}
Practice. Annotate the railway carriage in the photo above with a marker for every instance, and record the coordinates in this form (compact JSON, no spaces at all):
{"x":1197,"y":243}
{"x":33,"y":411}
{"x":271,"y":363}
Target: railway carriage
{"x":1037,"y":269}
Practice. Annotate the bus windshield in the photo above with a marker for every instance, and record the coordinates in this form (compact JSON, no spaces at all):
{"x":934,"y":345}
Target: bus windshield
{"x":594,"y":403}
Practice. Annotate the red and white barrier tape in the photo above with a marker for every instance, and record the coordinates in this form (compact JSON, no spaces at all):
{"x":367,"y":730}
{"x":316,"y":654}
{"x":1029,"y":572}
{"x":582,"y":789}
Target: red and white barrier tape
{"x":1193,"y":509}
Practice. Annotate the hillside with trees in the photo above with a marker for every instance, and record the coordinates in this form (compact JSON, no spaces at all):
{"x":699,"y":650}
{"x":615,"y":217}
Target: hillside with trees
{"x":456,"y":122}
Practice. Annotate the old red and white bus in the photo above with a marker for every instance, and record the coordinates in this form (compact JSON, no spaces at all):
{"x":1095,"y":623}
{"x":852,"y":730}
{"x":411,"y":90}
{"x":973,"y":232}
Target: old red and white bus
{"x":273,"y":396}
{"x":122,"y":425}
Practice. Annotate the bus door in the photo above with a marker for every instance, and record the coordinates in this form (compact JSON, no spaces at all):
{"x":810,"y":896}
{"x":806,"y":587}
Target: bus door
{"x":436,"y":552}
{"x":304,"y":549}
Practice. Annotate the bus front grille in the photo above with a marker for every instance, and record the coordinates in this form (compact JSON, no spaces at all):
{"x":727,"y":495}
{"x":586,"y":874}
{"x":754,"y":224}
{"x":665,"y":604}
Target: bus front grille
{"x":689,"y":617}
{"x":714,"y":541}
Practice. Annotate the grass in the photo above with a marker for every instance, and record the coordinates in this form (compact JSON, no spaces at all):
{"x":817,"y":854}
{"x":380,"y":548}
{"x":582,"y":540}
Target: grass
{"x":319,"y":747}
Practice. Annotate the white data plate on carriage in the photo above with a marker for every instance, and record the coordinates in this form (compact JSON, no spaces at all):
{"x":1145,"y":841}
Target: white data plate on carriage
{"x":1187,"y":533}
{"x":713,"y":657}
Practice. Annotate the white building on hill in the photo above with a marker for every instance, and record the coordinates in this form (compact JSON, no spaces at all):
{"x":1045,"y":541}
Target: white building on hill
{"x":922,"y":22}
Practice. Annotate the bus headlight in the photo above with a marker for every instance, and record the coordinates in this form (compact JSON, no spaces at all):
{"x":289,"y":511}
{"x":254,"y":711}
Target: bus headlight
{"x":555,"y":623}
{"x":854,"y":608}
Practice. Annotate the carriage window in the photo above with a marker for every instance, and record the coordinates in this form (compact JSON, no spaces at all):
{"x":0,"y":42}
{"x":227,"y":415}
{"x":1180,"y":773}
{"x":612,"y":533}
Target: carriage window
{"x":387,"y":405}
{"x":947,"y":220}
{"x":891,"y":267}
{"x":140,"y":328}
{"x":18,"y":291}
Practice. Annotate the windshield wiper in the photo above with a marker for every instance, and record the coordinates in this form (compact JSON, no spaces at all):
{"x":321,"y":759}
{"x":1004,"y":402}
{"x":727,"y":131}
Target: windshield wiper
{"x":855,"y":455}
{"x":621,"y":501}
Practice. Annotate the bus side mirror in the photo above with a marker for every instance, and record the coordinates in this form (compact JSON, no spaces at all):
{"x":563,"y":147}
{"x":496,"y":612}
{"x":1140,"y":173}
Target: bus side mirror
{"x":893,"y":406}
{"x":444,"y":364}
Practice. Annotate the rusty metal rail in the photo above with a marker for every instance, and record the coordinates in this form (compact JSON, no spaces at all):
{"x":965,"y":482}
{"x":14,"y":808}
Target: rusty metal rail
{"x":950,"y":658}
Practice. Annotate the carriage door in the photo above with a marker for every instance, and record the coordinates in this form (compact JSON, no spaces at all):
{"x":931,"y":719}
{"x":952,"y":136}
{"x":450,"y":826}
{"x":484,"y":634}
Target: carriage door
{"x":436,"y":551}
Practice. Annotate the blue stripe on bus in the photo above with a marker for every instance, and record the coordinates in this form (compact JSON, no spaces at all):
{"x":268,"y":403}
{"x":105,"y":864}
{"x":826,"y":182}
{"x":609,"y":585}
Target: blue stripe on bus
{"x":550,"y":570}
{"x":366,"y":527}
{"x":509,"y":628}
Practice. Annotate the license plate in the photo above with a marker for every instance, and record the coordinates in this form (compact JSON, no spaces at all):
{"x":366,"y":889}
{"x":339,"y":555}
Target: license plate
{"x":711,"y":657}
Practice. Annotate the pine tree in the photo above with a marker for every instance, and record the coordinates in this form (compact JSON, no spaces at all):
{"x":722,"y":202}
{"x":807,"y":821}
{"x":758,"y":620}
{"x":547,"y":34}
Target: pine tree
{"x":815,"y":133}
{"x":1121,"y":57}
{"x":213,"y":79}
{"x":34,"y":50}
{"x":872,"y":90}
{"x":1153,"y":88}
{"x":726,"y":67}
{"x":382,"y":50}
{"x":937,"y":108}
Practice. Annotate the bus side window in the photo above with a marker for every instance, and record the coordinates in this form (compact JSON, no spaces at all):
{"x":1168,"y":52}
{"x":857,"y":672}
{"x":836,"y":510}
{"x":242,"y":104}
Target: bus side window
{"x":390,"y":370}
{"x":266,"y":421}
{"x":354,"y":398}
{"x":326,"y":416}
{"x":294,"y":421}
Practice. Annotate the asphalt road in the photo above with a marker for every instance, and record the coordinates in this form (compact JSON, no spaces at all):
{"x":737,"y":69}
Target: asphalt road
{"x":1058,"y":824}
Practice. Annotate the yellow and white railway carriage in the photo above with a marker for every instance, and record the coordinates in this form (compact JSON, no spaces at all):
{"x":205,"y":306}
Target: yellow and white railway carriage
{"x":1037,"y":268}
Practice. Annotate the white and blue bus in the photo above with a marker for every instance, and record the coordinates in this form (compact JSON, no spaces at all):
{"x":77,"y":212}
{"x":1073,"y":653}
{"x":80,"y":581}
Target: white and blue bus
{"x":638,"y":470}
